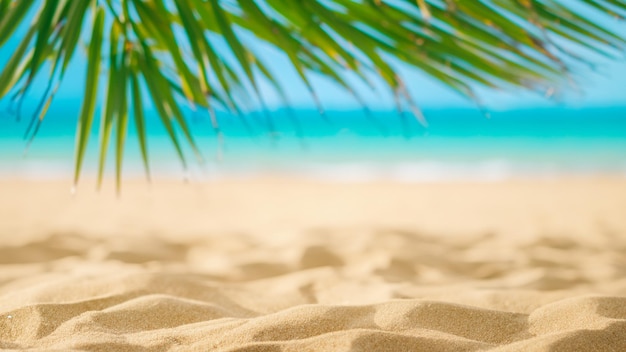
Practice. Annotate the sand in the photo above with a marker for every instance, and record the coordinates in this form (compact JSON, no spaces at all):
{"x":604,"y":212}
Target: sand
{"x":294,"y":265}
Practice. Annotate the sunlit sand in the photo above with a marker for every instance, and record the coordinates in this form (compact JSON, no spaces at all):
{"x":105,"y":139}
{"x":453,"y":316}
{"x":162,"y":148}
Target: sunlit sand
{"x":298,"y":265}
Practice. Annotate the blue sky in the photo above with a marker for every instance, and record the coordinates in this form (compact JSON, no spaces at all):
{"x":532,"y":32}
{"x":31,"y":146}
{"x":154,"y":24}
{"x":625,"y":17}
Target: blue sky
{"x":606,"y":87}
{"x":603,"y":88}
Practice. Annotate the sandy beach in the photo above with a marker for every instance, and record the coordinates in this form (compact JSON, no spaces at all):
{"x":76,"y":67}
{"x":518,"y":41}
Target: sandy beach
{"x":280,"y":264}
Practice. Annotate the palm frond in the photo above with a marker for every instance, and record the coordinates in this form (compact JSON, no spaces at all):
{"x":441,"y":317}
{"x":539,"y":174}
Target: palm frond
{"x":169,"y":49}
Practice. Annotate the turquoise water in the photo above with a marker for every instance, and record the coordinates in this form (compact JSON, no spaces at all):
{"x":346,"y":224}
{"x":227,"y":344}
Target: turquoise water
{"x":457,"y":144}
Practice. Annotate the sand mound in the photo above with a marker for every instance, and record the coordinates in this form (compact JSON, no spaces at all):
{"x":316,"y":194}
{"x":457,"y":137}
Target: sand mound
{"x":360,"y":286}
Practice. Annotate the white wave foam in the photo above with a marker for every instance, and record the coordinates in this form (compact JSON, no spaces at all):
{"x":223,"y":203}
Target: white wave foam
{"x":400,"y":171}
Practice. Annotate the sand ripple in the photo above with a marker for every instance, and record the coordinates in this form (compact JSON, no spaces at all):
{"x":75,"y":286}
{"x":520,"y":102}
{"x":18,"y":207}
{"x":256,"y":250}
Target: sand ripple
{"x":299,"y":266}
{"x":323,"y":291}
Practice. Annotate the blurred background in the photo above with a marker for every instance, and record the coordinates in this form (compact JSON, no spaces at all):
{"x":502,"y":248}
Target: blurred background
{"x":576,"y":128}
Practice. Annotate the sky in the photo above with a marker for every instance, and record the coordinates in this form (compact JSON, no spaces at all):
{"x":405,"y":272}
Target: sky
{"x":605,"y":87}
{"x":601,"y":88}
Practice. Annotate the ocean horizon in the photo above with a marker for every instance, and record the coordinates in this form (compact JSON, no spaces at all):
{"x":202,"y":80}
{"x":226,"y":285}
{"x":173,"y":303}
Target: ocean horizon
{"x":345,"y":145}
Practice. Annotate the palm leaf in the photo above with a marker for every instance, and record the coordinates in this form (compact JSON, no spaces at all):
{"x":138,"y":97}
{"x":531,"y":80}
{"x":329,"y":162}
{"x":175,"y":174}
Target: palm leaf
{"x":167,"y":50}
{"x":89,"y":103}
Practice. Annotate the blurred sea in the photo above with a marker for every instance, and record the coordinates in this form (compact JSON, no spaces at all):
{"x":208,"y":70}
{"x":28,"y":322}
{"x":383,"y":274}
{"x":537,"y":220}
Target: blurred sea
{"x":458,"y":144}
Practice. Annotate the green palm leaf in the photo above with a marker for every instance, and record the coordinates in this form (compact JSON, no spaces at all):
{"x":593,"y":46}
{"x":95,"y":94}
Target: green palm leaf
{"x":166,"y":49}
{"x":89,"y":103}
